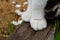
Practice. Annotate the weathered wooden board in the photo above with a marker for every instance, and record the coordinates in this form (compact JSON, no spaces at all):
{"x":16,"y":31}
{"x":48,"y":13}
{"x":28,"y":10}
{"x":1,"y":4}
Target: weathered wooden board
{"x":25,"y":32}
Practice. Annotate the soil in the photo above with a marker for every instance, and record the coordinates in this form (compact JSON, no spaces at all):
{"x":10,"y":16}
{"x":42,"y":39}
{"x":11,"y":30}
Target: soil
{"x":7,"y":14}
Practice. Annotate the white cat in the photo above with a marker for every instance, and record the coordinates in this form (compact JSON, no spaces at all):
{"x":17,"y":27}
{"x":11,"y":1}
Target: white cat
{"x":35,"y":14}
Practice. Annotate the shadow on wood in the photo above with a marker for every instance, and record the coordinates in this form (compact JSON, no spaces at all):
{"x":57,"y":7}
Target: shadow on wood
{"x":25,"y":32}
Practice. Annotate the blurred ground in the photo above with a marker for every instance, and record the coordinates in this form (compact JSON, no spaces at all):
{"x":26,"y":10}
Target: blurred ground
{"x":7,"y":14}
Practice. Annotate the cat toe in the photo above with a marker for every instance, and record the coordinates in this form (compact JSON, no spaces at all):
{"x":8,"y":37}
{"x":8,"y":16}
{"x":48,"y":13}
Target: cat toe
{"x":38,"y":24}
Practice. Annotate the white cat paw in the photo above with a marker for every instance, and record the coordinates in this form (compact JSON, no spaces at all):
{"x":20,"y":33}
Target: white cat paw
{"x":26,"y":16}
{"x":18,"y":12}
{"x":38,"y":24}
{"x":17,"y":22}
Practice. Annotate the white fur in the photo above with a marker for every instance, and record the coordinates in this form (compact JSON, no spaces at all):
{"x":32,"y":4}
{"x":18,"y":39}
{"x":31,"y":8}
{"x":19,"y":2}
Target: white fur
{"x":35,"y":14}
{"x":58,"y":12}
{"x":14,"y":22}
{"x":25,"y":3}
{"x":13,"y":2}
{"x":17,"y":22}
{"x":38,"y":24}
{"x":26,"y":16}
{"x":17,"y":5}
{"x":18,"y":12}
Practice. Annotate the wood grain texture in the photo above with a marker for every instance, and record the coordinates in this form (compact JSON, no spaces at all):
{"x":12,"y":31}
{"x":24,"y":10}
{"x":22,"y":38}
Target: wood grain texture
{"x":25,"y":32}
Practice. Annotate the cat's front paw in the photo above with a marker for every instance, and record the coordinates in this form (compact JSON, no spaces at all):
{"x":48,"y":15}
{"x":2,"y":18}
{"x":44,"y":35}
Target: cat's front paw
{"x":17,"y":22}
{"x":26,"y":16}
{"x":38,"y":24}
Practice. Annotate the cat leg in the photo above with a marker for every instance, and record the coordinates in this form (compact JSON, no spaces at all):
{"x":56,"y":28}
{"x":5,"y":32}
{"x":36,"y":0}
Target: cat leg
{"x":38,"y":21}
{"x":38,"y":24}
{"x":26,"y":16}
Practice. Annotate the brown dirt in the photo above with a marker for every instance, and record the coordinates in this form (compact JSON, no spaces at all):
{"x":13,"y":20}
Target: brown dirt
{"x":7,"y":13}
